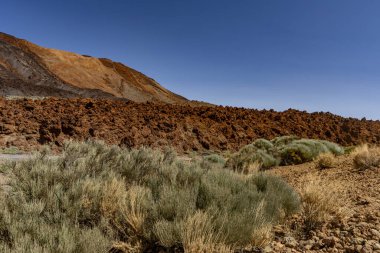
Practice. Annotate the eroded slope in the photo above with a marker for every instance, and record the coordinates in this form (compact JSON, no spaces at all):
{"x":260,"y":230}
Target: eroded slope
{"x":26,"y":67}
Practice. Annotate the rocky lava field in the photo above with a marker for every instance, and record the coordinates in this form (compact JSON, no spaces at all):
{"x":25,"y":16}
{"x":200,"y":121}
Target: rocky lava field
{"x":29,"y":123}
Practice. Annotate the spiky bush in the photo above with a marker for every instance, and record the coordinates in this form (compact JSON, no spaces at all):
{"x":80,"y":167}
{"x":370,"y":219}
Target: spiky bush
{"x":95,"y":198}
{"x":284,"y":150}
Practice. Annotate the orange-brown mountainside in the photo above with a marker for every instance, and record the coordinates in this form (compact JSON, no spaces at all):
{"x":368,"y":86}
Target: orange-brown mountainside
{"x":30,"y":70}
{"x":30,"y":123}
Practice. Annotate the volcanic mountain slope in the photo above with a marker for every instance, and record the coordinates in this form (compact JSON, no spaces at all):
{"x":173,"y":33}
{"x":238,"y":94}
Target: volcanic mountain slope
{"x":30,"y":70}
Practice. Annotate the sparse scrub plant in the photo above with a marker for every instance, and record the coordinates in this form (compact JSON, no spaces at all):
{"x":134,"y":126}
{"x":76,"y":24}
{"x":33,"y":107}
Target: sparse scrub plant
{"x":322,"y":201}
{"x":366,"y":157}
{"x":95,"y":198}
{"x":252,"y":168}
{"x":198,"y":233}
{"x":325,"y":161}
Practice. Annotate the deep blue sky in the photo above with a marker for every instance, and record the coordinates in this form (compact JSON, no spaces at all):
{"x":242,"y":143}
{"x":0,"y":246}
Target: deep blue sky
{"x":314,"y":55}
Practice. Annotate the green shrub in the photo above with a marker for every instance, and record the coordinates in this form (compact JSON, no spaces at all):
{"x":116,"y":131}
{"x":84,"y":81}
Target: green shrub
{"x":96,"y":198}
{"x":284,"y":140}
{"x":263,"y":144}
{"x":334,"y":148}
{"x":260,"y":152}
{"x":296,"y":153}
{"x":284,"y":150}
{"x":306,"y":150}
{"x":265,"y":159}
{"x":214,"y":158}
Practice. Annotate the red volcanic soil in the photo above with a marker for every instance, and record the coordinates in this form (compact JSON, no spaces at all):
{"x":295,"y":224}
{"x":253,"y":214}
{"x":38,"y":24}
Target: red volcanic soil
{"x":28,"y":124}
{"x":27,"y":69}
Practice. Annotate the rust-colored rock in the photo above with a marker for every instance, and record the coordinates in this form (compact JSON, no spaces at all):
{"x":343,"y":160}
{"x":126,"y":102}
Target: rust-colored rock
{"x":30,"y":123}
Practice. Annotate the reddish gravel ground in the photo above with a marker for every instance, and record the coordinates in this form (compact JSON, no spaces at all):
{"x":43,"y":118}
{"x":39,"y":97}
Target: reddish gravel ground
{"x":358,"y":233}
{"x":29,"y":123}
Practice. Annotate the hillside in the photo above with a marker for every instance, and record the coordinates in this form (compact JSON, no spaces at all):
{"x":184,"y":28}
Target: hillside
{"x":27,"y":69}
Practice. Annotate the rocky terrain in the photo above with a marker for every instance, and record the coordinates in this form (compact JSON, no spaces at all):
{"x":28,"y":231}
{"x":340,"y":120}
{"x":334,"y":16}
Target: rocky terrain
{"x":30,"y":123}
{"x":358,"y":233}
{"x":27,"y":69}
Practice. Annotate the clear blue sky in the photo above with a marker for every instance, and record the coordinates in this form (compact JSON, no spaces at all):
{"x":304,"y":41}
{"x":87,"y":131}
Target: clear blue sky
{"x":314,"y":55}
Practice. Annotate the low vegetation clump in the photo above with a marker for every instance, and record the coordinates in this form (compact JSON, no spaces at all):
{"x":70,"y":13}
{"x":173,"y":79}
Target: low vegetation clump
{"x":325,"y":161}
{"x":215,"y":159}
{"x":366,"y":157}
{"x":95,"y":198}
{"x":286,"y":150}
{"x":323,"y":201}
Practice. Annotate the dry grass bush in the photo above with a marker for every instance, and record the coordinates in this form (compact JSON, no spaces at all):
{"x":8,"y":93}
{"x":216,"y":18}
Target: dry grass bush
{"x":252,"y":168}
{"x":198,"y":233}
{"x":127,"y":247}
{"x":96,"y":198}
{"x":284,"y":150}
{"x":323,"y":201}
{"x":325,"y":161}
{"x":366,"y":157}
